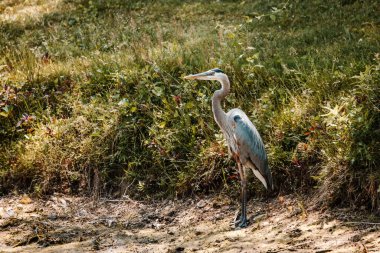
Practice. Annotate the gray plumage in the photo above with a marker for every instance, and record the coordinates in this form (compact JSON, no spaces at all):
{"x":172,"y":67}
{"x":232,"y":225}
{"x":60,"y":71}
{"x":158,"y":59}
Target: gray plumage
{"x":250,"y":147}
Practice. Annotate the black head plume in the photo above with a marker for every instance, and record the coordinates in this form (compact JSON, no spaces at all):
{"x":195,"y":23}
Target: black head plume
{"x":216,"y":70}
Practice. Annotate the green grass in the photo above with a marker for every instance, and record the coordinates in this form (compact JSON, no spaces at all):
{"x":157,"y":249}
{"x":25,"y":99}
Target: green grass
{"x":92,"y":99}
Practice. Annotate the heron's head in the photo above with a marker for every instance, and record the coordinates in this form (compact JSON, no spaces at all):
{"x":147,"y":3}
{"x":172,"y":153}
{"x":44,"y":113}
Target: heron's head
{"x":212,"y":74}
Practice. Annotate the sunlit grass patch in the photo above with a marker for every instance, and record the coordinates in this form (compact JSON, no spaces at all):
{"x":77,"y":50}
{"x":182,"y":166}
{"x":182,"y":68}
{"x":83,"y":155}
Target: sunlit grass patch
{"x":26,"y":11}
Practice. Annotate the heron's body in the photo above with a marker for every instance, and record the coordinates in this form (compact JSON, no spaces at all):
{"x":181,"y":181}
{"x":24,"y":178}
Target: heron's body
{"x":244,"y":142}
{"x":248,"y":147}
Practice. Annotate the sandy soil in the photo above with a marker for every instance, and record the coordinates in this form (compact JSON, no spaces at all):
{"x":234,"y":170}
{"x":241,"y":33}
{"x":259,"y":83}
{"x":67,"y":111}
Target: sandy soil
{"x":68,"y":224}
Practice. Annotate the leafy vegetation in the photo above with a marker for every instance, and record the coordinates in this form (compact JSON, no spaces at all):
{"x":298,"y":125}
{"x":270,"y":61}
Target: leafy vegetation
{"x":92,"y":100}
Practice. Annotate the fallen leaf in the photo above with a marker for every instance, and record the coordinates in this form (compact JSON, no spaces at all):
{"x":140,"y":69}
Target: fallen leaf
{"x":25,"y":200}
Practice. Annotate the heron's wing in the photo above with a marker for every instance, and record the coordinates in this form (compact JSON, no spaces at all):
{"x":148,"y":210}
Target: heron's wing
{"x":251,"y":147}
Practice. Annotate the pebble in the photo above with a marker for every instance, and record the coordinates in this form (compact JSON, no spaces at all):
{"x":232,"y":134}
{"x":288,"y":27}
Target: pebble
{"x":201,"y":204}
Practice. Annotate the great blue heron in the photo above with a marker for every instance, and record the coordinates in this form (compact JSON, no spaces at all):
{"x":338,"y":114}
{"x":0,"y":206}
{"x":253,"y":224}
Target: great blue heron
{"x":244,"y":142}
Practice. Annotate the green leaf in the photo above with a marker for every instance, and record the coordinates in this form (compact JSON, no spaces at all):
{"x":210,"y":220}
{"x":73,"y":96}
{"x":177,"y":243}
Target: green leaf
{"x":7,"y":108}
{"x":162,"y":124}
{"x":4,"y":114}
{"x":189,"y":105}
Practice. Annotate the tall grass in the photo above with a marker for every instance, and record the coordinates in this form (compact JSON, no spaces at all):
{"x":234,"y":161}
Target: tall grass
{"x":92,"y":98}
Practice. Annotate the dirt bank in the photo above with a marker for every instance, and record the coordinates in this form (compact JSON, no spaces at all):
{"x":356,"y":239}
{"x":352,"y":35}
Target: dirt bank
{"x":68,"y":224}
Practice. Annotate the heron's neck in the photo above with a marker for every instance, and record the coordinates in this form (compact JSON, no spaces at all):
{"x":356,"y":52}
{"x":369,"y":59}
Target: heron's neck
{"x":219,"y":115}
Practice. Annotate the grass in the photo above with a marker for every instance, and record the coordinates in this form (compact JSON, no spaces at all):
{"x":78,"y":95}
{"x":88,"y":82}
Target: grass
{"x":92,"y":98}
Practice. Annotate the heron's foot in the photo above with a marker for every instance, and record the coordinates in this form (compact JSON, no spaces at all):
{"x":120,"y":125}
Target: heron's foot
{"x":242,"y":224}
{"x":239,"y":221}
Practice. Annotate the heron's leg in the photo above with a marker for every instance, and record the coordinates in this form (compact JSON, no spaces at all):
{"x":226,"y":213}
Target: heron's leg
{"x":242,"y":221}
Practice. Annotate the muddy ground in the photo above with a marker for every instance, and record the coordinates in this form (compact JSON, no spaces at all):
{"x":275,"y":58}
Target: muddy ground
{"x":69,"y":224}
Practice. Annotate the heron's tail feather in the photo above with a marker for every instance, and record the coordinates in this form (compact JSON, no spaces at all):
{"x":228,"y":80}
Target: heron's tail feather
{"x":265,"y":175}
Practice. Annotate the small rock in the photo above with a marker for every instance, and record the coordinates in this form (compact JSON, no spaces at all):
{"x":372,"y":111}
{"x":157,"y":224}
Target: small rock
{"x":198,"y":232}
{"x":295,"y":233}
{"x":216,"y":205}
{"x":111,"y":222}
{"x":201,"y":204}
{"x":259,"y":217}
{"x":96,"y":244}
{"x":295,"y":212}
{"x":30,"y":208}
{"x":156,"y":225}
{"x":152,"y":216}
{"x":9,"y":213}
{"x":145,"y":220}
{"x":232,"y":239}
{"x":63,"y":203}
{"x":52,"y":216}
{"x":170,"y":213}
{"x":356,"y":238}
{"x":82,"y":212}
{"x":218,"y":216}
{"x":168,"y":219}
{"x":179,"y":249}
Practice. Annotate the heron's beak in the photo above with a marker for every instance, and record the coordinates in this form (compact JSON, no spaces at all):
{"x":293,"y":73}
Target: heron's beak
{"x":200,"y":76}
